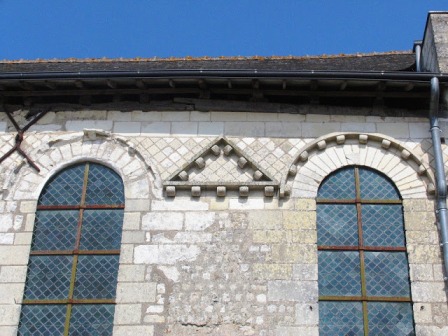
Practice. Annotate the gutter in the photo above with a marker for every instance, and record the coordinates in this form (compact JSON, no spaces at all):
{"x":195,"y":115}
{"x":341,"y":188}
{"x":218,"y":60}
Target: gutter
{"x":203,"y":73}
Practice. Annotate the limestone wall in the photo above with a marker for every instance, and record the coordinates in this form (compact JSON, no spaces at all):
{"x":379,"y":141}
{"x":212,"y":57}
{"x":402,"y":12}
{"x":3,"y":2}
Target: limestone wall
{"x":236,"y":264}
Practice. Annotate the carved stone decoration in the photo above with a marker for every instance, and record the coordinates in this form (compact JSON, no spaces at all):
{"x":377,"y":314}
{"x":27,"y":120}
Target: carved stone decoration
{"x":223,"y":167}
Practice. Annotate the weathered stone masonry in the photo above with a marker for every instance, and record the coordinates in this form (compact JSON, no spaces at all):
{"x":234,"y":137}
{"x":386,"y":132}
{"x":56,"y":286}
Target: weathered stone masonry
{"x":221,"y":265}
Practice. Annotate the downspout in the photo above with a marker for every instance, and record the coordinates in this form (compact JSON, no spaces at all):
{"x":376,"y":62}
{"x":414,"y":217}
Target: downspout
{"x":441,"y":210}
{"x":441,"y":192}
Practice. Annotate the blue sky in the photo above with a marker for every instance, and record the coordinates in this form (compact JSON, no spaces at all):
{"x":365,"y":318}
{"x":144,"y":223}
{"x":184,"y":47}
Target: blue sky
{"x":31,"y":29}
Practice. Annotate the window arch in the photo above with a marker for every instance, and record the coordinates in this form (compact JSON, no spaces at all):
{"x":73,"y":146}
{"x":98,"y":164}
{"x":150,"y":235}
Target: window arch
{"x":363,"y":269}
{"x":72,"y":272}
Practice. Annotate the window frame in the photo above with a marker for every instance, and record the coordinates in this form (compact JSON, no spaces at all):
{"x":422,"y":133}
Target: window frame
{"x":76,"y":252}
{"x":361,"y":248}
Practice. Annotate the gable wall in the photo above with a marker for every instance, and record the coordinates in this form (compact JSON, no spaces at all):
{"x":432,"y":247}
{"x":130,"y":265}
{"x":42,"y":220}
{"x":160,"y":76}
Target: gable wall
{"x":220,"y":265}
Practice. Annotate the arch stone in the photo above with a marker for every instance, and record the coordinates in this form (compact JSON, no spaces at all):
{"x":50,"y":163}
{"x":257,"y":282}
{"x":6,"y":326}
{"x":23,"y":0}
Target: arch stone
{"x":139,"y":178}
{"x":319,"y":158}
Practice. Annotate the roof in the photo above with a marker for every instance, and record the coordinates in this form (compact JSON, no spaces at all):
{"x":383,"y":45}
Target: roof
{"x":390,"y":61}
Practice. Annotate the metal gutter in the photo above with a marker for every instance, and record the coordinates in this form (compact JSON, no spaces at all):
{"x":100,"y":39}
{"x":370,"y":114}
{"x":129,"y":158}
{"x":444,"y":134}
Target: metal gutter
{"x":201,"y":73}
{"x":441,"y":192}
{"x":439,"y":166}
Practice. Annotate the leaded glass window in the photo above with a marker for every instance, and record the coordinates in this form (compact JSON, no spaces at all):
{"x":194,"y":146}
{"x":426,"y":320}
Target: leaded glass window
{"x":72,"y":271}
{"x":364,"y":284}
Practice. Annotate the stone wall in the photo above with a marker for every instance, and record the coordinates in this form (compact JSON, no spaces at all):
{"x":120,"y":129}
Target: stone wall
{"x":221,"y":265}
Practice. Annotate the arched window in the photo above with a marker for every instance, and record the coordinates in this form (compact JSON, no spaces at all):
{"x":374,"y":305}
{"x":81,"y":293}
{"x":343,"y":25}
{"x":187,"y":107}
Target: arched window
{"x":72,"y":271}
{"x":363,"y":269}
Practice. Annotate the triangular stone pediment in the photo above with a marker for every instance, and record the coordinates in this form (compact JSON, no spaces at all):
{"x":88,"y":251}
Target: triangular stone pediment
{"x":221,"y":164}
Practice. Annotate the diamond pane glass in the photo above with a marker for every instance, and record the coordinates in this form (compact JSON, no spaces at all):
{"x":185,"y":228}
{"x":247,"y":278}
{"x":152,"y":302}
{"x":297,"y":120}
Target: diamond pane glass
{"x":91,"y":320}
{"x":382,"y":225}
{"x":387,"y":274}
{"x":390,"y":318}
{"x":339,"y":273}
{"x":337,"y":225}
{"x":101,"y":229}
{"x":104,"y":186}
{"x":376,"y":186}
{"x":340,"y":318}
{"x":48,"y":277}
{"x":96,"y":277}
{"x":65,"y":188}
{"x":42,"y":320}
{"x":339,"y":185}
{"x":55,"y":230}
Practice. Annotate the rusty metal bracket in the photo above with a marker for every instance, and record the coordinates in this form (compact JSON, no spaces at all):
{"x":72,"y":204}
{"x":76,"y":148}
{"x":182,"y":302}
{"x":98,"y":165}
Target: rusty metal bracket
{"x":19,"y":138}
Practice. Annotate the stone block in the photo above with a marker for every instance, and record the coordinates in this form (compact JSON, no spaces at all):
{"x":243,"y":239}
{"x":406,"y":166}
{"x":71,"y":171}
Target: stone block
{"x":5,"y":222}
{"x":295,"y":331}
{"x":299,"y":220}
{"x":265,"y":220}
{"x":11,"y":293}
{"x":6,"y":238}
{"x":126,"y":253}
{"x":251,"y":129}
{"x":303,"y":237}
{"x":131,"y":221}
{"x":14,"y":255}
{"x":424,"y":254}
{"x":246,"y":204}
{"x":210,"y":128}
{"x":283,"y":129}
{"x":8,"y":331}
{"x":28,"y":206}
{"x":79,"y":125}
{"x":268,"y":236}
{"x":304,"y":272}
{"x":133,"y":330}
{"x":305,"y":204}
{"x":295,"y":253}
{"x":132,"y":237}
{"x":199,"y":116}
{"x":137,"y":205}
{"x":428,"y":292}
{"x":316,"y":129}
{"x":136,"y":292}
{"x":156,"y":128}
{"x":282,"y":290}
{"x":9,"y":315}
{"x":419,"y":130}
{"x":119,"y":116}
{"x":184,"y":128}
{"x":272,"y":271}
{"x":421,"y":272}
{"x":146,"y":116}
{"x":193,"y":237}
{"x":179,"y":204}
{"x":128,"y":314}
{"x":219,"y":203}
{"x":307,"y":313}
{"x":131,"y":273}
{"x":13,"y":274}
{"x":3,"y":127}
{"x":415,"y":205}
{"x":199,"y":221}
{"x":23,"y":238}
{"x":422,"y":312}
{"x":228,"y":116}
{"x":175,"y":116}
{"x":165,"y":255}
{"x":163,"y":221}
{"x":127,"y":127}
{"x":262,"y":116}
{"x":419,"y":221}
{"x":398,"y":130}
{"x":425,"y":330}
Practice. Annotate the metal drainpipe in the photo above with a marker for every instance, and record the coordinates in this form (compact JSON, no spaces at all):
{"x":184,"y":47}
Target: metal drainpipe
{"x":441,"y":192}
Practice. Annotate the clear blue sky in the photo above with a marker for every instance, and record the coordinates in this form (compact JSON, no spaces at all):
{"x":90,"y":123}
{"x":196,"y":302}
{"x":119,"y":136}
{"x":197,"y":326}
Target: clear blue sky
{"x":31,"y":29}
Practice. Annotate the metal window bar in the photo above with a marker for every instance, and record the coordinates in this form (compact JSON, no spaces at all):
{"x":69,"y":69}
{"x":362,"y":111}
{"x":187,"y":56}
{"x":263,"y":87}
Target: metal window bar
{"x":70,"y":301}
{"x":363,"y":298}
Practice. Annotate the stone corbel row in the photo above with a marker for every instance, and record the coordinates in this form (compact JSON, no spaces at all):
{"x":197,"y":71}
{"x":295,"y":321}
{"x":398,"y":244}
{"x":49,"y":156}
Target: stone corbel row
{"x":221,"y":191}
